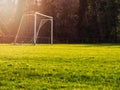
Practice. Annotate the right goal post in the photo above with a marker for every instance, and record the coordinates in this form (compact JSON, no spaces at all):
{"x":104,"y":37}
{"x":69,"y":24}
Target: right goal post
{"x":36,"y":24}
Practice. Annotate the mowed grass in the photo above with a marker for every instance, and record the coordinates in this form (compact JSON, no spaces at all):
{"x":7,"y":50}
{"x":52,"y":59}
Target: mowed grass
{"x":60,"y":67}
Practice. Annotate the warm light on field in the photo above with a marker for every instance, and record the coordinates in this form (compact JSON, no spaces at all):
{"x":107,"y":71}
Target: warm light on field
{"x":18,"y":15}
{"x":10,"y":8}
{"x":7,"y":10}
{"x":8,"y":3}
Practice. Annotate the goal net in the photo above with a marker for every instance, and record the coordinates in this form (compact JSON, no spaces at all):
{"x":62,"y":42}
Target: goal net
{"x":35,"y":28}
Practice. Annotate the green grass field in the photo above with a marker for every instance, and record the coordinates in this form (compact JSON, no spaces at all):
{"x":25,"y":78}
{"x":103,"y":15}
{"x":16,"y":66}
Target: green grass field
{"x":60,"y":67}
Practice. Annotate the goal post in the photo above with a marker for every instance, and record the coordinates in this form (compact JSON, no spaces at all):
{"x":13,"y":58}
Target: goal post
{"x":36,"y":26}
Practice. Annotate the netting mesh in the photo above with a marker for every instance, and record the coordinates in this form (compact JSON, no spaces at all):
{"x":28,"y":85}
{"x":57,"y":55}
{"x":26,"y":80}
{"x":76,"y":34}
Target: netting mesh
{"x":26,"y":29}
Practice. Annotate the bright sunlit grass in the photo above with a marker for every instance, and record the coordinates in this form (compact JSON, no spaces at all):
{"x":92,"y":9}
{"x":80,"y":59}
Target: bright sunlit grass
{"x":60,"y":67}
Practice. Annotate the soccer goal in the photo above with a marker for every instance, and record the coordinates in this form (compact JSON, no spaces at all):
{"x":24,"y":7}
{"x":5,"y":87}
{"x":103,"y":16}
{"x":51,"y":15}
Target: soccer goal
{"x":34,"y":28}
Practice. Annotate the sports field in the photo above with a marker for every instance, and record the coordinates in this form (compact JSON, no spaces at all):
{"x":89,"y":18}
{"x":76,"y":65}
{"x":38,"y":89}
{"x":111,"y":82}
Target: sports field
{"x":60,"y":67}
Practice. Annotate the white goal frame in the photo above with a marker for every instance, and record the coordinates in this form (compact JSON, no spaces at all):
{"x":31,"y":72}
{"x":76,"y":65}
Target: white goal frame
{"x":47,"y":18}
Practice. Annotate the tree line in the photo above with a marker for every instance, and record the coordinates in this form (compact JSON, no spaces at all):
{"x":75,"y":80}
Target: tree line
{"x":84,"y":21}
{"x":77,"y":21}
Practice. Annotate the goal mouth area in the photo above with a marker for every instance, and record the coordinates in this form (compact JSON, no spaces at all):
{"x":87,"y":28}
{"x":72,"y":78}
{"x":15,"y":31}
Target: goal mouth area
{"x":36,"y":26}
